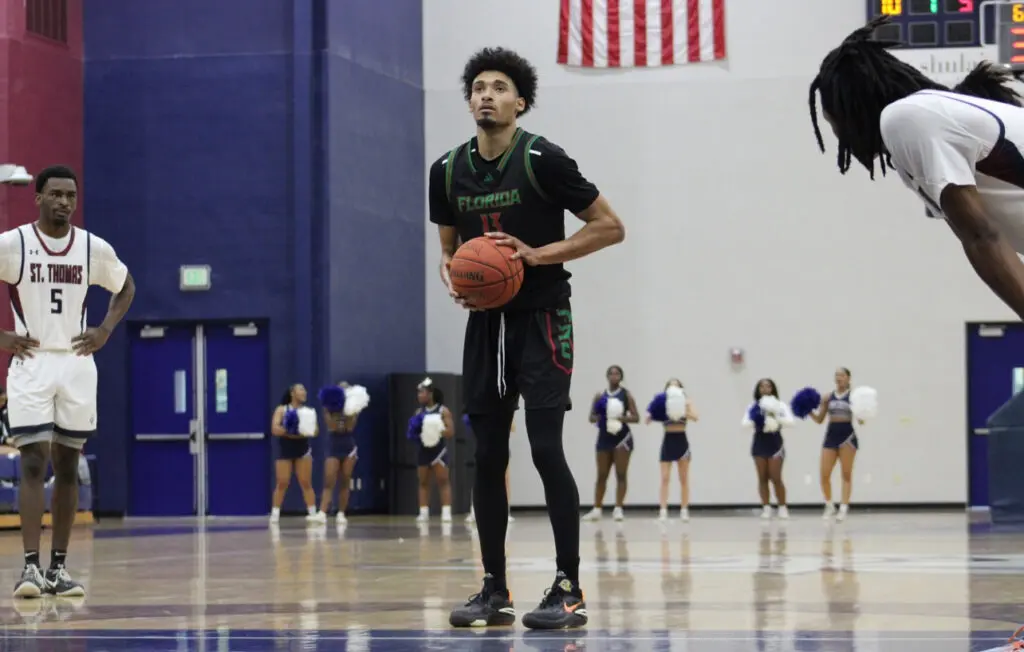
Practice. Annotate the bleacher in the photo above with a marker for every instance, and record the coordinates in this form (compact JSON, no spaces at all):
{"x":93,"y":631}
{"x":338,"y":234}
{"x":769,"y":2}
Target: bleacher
{"x":10,"y":475}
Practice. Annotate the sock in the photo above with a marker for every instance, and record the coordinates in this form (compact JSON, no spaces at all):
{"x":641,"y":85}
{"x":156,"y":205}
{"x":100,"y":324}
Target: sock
{"x":32,"y":558}
{"x":544,"y":429}
{"x":490,"y":501}
{"x":275,"y":511}
{"x":57,"y":558}
{"x":497,"y":582}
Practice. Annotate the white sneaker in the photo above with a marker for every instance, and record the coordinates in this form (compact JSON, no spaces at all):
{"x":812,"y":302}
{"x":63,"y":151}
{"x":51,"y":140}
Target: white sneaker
{"x":618,"y":514}
{"x":316,"y":518}
{"x":422,"y":518}
{"x":766,"y":511}
{"x":663,"y":514}
{"x":275,"y":518}
{"x":684,"y":514}
{"x":830,"y":511}
{"x":340,"y":519}
{"x":446,"y":517}
{"x":593,"y":515}
{"x":844,"y":510}
{"x":783,"y":512}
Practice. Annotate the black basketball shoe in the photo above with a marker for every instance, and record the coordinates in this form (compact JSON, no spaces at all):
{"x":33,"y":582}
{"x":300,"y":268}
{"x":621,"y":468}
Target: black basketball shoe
{"x":59,"y":583}
{"x":563,"y":607}
{"x":32,"y":584}
{"x":492,"y":607}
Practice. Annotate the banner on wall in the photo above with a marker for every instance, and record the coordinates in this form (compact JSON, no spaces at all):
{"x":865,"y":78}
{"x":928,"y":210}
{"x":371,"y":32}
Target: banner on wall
{"x":640,"y":33}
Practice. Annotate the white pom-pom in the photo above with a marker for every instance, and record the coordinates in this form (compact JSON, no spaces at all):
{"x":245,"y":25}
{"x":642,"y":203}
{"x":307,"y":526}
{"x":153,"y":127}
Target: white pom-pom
{"x":770,"y":406}
{"x":307,"y":421}
{"x":864,"y":402}
{"x":770,"y":424}
{"x":430,"y":433}
{"x":675,"y":403}
{"x":614,"y":409}
{"x":356,"y":400}
{"x":614,"y":426}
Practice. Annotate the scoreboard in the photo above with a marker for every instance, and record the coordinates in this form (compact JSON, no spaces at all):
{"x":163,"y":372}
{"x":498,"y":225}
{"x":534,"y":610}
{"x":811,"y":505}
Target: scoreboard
{"x":938,"y":23}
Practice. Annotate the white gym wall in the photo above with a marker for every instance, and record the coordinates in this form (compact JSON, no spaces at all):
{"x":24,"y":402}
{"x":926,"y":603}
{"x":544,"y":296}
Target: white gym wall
{"x":739,"y":234}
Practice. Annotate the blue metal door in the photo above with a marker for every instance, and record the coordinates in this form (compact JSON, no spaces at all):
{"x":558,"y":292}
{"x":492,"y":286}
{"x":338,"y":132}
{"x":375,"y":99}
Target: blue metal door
{"x":238,"y":406}
{"x":162,"y":406}
{"x":995,"y":372}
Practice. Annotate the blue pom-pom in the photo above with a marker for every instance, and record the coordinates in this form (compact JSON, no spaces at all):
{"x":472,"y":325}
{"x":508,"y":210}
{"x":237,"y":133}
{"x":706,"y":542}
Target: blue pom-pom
{"x":332,"y":398}
{"x":465,"y":420}
{"x":600,"y":408}
{"x":756,"y":415}
{"x":656,"y":408}
{"x":804,"y":402}
{"x":291,"y":422}
{"x":415,"y":425}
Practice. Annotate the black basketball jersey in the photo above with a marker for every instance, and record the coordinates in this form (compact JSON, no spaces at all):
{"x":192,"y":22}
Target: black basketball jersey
{"x":517,"y":194}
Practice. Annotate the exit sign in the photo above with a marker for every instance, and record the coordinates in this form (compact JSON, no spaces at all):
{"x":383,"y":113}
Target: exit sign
{"x":192,"y":278}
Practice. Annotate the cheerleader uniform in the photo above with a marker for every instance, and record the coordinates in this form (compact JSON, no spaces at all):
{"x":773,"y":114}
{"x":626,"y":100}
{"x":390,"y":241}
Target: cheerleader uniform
{"x":623,"y":439}
{"x":675,"y":445}
{"x":292,"y":446}
{"x":437,"y":454}
{"x":342,"y":443}
{"x":767,"y":444}
{"x":840,"y":433}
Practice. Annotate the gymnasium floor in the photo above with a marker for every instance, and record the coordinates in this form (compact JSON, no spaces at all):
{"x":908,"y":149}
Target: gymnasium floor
{"x":879,"y":582}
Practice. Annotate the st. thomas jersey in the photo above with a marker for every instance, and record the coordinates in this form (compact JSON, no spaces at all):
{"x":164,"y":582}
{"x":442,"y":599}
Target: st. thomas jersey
{"x":525,"y":193}
{"x":49,"y":279}
{"x":937,"y":139}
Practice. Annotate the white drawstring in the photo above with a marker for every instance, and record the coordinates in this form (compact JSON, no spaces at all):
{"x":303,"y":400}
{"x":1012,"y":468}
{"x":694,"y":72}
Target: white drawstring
{"x":501,"y":357}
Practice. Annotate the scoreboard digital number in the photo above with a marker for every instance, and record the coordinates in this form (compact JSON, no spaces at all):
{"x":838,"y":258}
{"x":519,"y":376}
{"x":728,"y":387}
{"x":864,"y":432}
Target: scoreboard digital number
{"x":930,"y":23}
{"x":1010,"y":26}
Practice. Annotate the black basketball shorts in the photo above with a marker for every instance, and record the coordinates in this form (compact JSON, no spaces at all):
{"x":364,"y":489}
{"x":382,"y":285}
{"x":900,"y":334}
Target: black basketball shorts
{"x":526,"y":352}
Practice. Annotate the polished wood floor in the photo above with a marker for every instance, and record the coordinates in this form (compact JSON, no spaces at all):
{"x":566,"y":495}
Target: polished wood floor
{"x":879,"y":582}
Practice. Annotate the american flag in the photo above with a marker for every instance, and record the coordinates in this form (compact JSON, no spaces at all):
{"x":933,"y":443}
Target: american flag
{"x":640,"y":33}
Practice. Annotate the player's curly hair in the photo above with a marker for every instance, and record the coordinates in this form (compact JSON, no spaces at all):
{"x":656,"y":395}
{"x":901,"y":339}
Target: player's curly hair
{"x":509,"y":63}
{"x":989,"y":81}
{"x":54,"y":172}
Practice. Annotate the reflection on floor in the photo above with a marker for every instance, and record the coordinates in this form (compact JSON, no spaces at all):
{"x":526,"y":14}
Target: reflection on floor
{"x":878,"y":582}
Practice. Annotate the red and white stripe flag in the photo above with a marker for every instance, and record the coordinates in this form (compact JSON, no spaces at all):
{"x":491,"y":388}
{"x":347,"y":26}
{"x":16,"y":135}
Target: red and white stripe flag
{"x":640,"y":33}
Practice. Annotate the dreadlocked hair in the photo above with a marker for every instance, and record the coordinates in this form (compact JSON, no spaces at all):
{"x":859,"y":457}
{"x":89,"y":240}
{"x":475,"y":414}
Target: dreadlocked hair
{"x":856,"y":81}
{"x":519,"y":70}
{"x":989,"y":81}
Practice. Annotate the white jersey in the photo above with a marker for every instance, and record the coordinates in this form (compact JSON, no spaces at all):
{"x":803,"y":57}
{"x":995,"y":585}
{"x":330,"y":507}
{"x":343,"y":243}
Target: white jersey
{"x":938,"y":138}
{"x":49,"y":279}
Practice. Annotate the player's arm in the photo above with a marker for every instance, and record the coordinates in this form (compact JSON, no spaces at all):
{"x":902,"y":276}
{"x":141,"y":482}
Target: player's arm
{"x":12,"y":253}
{"x":560,"y":179}
{"x":632,"y":415}
{"x":277,"y":422}
{"x":442,"y":215}
{"x":786,"y":416}
{"x":691,"y":412}
{"x":594,"y":416}
{"x":334,"y":420}
{"x":746,"y":421}
{"x":818,"y":416}
{"x":940,"y":153}
{"x":449,"y":423}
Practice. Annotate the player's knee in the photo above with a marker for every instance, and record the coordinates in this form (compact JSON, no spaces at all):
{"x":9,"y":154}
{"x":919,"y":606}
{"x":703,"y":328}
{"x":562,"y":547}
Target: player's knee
{"x":33,"y":464}
{"x":847,"y":476}
{"x":620,"y":477}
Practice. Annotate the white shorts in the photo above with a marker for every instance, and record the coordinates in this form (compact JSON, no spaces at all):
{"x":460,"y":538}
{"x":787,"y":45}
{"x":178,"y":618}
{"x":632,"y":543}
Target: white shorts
{"x":52,"y":398}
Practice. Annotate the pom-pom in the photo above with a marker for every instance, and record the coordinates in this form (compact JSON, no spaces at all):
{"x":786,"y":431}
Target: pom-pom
{"x":430,"y":432}
{"x":675,"y":403}
{"x":657,"y":408}
{"x":290,"y":422}
{"x":307,"y":421}
{"x":613,"y":426}
{"x":864,"y":402}
{"x":755,"y":414}
{"x":804,"y":402}
{"x":599,"y":409}
{"x":770,"y":405}
{"x":465,"y":421}
{"x":614,"y":408}
{"x":415,"y":425}
{"x":356,"y":400}
{"x":771,"y":424}
{"x":332,"y":398}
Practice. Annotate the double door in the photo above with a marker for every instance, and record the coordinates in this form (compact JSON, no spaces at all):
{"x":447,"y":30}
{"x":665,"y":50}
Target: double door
{"x":200,"y":419}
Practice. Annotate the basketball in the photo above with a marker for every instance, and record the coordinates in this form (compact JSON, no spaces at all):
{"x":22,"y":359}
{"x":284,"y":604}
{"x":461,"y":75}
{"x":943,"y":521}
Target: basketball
{"x":485,"y":273}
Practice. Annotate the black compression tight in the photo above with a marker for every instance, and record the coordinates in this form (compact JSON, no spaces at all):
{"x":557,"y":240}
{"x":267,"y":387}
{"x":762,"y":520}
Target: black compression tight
{"x":490,"y":501}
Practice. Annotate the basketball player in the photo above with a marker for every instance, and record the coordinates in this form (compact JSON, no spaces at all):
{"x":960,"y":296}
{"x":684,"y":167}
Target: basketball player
{"x":840,"y":443}
{"x":960,"y":154}
{"x":51,"y":382}
{"x":515,"y":186}
{"x":613,"y":449}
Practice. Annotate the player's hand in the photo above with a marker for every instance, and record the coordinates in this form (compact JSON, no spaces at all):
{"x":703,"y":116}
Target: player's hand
{"x":446,"y":263}
{"x":91,"y":341}
{"x":19,"y":345}
{"x":523,"y":252}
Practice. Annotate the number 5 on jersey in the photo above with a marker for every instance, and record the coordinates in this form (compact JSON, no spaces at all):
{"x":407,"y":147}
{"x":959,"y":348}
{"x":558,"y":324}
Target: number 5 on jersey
{"x":56,"y":301}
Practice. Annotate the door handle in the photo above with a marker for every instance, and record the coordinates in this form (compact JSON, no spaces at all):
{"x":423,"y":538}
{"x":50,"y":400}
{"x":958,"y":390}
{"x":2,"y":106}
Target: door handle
{"x":981,"y":431}
{"x":161,"y":437}
{"x":235,"y":436}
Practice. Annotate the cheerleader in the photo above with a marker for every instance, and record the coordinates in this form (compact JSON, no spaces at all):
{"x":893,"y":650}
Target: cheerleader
{"x":612,"y":410}
{"x":840,"y":443}
{"x":432,"y":426}
{"x":341,"y":406}
{"x":766,"y":415}
{"x":674,"y":409}
{"x":293,"y":429}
